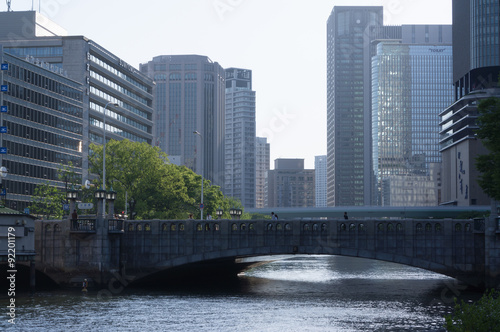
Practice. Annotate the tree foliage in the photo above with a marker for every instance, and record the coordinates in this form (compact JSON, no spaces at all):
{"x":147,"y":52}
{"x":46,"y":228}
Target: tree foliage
{"x":489,"y":133}
{"x":484,"y":315}
{"x":47,"y":201}
{"x":152,"y":187}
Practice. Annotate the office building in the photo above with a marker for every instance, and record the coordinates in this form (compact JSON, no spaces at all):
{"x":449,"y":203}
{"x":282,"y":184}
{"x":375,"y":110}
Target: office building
{"x":348,"y":104}
{"x":42,"y":122}
{"x":476,"y":66}
{"x":105,"y":78}
{"x":290,"y":185}
{"x":262,"y":165}
{"x":410,"y":86}
{"x":190,"y":97}
{"x":320,"y":180}
{"x":240,"y":149}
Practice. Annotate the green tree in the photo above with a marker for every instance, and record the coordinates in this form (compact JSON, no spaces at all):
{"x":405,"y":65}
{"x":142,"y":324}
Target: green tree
{"x":489,"y":133}
{"x":47,"y":201}
{"x":153,"y":187}
{"x":484,"y":315}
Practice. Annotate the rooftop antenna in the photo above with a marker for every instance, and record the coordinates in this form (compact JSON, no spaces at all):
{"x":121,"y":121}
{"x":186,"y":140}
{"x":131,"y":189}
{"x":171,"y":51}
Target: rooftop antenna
{"x":8,"y":5}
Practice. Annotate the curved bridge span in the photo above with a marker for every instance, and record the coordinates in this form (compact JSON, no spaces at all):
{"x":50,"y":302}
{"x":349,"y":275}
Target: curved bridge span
{"x":443,"y":246}
{"x":454,"y":248}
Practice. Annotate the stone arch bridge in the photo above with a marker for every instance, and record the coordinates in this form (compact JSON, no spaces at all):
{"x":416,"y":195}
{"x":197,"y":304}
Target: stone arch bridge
{"x":107,"y":251}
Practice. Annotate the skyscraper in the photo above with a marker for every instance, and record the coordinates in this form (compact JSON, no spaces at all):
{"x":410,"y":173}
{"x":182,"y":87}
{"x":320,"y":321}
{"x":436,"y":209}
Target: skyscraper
{"x":320,"y":180}
{"x":348,"y":104}
{"x":262,"y":165}
{"x":190,"y":95}
{"x":476,"y":68}
{"x":290,"y":185}
{"x":240,"y":172}
{"x":410,"y":86}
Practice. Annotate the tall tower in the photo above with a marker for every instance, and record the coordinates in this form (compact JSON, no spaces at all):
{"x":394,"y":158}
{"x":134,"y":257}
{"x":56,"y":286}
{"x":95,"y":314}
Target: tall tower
{"x":262,"y":165}
{"x":320,"y":178}
{"x":348,"y":104}
{"x":239,"y":180}
{"x":190,"y":95}
{"x":476,"y":68}
{"x":410,"y":86}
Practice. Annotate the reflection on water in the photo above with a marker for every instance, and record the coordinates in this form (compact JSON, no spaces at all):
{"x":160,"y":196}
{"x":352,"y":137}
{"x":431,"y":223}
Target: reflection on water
{"x":296,"y":293}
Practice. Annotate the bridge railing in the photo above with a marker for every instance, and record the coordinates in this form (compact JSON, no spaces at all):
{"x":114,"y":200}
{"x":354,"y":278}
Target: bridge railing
{"x":83,"y":225}
{"x":115,"y":226}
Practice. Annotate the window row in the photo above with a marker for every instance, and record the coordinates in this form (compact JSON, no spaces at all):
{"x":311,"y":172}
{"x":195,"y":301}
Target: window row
{"x":43,"y":136}
{"x":40,"y":99}
{"x":118,"y":73}
{"x":44,"y":82}
{"x":110,"y":113}
{"x":44,"y":118}
{"x":33,"y":152}
{"x":110,"y":98}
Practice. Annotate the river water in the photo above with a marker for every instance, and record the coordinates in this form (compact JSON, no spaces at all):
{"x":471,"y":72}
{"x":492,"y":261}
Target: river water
{"x":291,"y":293}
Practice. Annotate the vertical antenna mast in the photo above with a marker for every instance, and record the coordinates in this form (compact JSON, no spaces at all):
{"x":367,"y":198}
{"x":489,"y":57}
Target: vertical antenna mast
{"x":8,"y":5}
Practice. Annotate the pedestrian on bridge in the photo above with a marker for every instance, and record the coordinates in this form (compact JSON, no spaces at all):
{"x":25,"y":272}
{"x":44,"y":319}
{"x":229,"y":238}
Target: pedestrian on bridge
{"x":345,"y":216}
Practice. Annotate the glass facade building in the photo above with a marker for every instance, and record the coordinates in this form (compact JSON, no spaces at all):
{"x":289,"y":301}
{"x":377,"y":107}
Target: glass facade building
{"x":190,"y":96}
{"x":240,"y":161}
{"x":411,"y":84}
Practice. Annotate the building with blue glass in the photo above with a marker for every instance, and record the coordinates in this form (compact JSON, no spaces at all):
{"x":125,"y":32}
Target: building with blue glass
{"x":410,"y":86}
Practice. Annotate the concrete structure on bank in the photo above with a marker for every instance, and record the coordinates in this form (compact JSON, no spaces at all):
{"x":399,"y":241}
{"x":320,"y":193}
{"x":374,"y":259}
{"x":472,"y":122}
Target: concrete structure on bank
{"x":113,"y":253}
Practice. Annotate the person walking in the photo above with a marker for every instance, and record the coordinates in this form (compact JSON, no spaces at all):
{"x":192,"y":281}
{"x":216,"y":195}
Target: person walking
{"x":345,"y":216}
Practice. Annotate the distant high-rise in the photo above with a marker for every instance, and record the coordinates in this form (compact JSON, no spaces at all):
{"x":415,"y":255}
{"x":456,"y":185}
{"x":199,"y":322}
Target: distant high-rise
{"x":410,"y":86}
{"x":476,"y":66}
{"x":240,"y":172}
{"x":290,"y":185}
{"x":320,"y":175}
{"x":348,"y":104}
{"x":262,"y":165}
{"x":190,"y":95}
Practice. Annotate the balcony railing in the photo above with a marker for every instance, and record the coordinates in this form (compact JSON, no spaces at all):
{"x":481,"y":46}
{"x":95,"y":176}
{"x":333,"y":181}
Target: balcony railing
{"x":83,"y":225}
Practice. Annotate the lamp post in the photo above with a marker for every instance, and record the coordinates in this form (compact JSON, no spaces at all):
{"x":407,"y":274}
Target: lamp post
{"x":196,"y":132}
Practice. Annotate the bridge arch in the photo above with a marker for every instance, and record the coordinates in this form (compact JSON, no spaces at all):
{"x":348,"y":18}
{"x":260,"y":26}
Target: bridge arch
{"x":441,"y":246}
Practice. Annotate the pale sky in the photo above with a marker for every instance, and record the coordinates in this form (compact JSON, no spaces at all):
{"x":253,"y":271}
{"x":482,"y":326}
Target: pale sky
{"x":282,"y":41}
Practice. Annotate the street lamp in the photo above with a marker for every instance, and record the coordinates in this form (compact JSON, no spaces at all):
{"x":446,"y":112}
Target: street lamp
{"x":196,"y":132}
{"x":219,"y":212}
{"x":235,"y":213}
{"x":72,"y":194}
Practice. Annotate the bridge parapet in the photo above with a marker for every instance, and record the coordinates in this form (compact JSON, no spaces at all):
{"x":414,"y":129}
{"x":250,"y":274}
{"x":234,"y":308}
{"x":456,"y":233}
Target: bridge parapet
{"x":450,"y":247}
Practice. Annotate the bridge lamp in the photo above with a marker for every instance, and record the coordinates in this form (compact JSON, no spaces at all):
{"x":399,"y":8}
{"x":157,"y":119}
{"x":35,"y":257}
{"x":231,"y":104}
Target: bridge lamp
{"x":219,"y":212}
{"x":111,"y":195}
{"x":72,"y":194}
{"x":100,"y":194}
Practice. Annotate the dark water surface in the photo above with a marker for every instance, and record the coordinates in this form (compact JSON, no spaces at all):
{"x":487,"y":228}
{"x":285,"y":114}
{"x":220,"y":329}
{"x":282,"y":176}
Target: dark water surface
{"x":294,"y":293}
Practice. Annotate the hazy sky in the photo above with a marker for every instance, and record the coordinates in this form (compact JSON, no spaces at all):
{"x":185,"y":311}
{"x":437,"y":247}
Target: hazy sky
{"x":282,"y":41}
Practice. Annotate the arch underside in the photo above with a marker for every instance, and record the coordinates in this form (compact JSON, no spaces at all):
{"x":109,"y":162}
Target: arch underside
{"x":228,"y":262}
